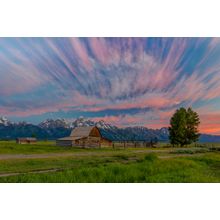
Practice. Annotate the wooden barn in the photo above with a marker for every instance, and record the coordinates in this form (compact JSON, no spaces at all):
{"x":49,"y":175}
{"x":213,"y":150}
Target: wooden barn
{"x":26,"y":140}
{"x":85,"y":137}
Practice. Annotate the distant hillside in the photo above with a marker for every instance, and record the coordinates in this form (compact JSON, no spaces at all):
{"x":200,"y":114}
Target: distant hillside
{"x":53,"y":129}
{"x":11,"y":130}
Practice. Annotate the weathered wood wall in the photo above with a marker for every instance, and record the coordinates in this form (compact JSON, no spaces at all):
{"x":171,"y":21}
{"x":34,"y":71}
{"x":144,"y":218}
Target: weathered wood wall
{"x":106,"y":143}
{"x":25,"y":142}
{"x":64,"y":143}
{"x":88,"y":142}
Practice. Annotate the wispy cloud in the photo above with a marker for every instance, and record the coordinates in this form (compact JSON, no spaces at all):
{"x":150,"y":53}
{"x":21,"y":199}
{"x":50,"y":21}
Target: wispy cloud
{"x":41,"y":75}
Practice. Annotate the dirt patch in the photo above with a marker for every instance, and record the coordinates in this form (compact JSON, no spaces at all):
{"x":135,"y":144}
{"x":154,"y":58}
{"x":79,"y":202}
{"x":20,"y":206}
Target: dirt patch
{"x":31,"y":172}
{"x":82,"y":154}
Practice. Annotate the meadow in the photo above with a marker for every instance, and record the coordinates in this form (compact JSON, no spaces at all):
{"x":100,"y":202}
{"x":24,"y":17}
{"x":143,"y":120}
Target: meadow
{"x":45,"y":162}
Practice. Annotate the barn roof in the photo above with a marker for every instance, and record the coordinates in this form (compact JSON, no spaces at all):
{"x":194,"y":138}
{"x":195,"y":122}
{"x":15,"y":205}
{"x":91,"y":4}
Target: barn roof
{"x":82,"y":131}
{"x":70,"y":138}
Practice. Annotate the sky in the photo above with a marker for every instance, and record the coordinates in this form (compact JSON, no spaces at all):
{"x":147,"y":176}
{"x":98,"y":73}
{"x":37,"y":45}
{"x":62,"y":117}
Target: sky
{"x":123,"y":81}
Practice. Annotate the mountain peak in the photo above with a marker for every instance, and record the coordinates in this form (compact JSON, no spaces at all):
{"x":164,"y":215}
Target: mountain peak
{"x":81,"y":121}
{"x":54,"y":123}
{"x":4,"y":121}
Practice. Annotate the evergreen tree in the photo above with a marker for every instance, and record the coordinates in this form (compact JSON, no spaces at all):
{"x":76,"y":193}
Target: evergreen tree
{"x":183,"y":128}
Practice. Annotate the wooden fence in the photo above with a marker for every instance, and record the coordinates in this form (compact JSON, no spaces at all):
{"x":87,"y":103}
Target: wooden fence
{"x":133,"y":144}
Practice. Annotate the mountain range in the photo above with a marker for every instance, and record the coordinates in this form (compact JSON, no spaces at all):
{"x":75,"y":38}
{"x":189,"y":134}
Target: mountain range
{"x":56,"y":128}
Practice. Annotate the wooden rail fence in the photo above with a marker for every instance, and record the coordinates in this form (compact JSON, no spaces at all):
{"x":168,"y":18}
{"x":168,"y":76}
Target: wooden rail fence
{"x":133,"y":144}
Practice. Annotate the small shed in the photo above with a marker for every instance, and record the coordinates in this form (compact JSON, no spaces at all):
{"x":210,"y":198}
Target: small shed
{"x":89,"y":136}
{"x":26,"y":140}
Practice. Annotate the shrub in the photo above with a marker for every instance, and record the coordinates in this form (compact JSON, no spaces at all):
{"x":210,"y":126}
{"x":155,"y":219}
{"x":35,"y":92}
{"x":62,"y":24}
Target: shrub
{"x":123,"y":157}
{"x":151,"y":157}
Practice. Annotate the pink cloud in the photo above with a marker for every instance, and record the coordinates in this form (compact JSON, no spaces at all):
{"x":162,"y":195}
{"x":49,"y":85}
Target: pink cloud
{"x":81,"y":52}
{"x":130,"y":120}
{"x":149,"y":101}
{"x":100,"y":50}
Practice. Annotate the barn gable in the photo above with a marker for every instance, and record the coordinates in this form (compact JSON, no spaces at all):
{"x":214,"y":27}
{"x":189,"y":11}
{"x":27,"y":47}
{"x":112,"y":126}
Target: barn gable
{"x":85,"y":132}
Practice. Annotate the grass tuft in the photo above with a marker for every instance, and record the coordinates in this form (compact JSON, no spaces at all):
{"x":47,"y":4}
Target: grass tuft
{"x":151,"y":157}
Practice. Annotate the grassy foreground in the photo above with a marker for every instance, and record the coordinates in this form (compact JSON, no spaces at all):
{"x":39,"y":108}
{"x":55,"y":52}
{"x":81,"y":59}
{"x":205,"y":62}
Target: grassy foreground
{"x":110,"y":166}
{"x":150,"y":169}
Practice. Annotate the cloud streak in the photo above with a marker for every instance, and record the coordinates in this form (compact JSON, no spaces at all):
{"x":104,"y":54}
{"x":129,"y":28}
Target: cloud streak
{"x":93,"y":75}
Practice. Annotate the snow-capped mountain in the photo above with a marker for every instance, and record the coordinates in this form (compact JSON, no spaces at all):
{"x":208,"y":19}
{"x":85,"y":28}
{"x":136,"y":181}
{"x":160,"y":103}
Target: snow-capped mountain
{"x":81,"y":122}
{"x":102,"y":124}
{"x":53,"y":129}
{"x":57,"y":123}
{"x":164,"y":131}
{"x":4,"y":121}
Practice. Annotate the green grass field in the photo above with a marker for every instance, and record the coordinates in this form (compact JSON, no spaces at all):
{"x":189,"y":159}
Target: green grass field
{"x":44,"y":162}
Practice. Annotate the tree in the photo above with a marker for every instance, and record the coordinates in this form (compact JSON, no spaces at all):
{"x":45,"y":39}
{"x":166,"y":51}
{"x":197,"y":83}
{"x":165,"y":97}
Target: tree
{"x":183,"y":128}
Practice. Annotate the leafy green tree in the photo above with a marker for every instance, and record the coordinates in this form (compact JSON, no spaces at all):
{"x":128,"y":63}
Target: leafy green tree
{"x":183,"y":128}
